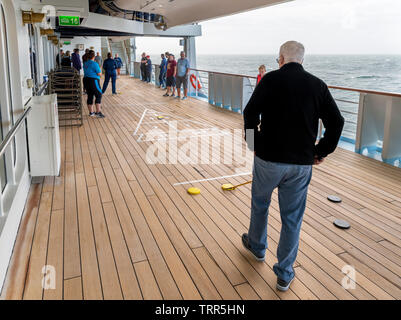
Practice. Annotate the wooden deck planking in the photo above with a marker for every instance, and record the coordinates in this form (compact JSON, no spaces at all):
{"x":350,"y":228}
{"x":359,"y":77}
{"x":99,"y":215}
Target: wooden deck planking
{"x":116,"y":227}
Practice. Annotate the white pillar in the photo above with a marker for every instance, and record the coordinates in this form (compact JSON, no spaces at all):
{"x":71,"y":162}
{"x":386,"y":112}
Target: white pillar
{"x":132,"y":57}
{"x":190,"y":50}
{"x":133,"y":48}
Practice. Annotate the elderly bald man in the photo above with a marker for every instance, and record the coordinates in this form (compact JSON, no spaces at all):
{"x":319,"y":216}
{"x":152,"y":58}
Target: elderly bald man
{"x":281,"y":123}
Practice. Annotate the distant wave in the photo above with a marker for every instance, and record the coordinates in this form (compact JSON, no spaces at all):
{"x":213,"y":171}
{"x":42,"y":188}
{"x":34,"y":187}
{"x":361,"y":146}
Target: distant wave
{"x":367,"y":77}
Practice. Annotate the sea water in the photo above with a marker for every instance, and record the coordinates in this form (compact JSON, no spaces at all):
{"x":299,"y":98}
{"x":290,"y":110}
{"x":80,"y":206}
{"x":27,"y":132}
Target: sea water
{"x":368,"y":72}
{"x":373,"y":72}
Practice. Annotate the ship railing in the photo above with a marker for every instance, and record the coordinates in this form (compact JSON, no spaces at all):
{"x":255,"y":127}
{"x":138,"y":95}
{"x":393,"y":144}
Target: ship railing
{"x":372,"y":118}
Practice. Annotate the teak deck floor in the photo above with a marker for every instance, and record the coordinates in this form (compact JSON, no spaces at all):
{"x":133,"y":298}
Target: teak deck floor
{"x":115,"y":227}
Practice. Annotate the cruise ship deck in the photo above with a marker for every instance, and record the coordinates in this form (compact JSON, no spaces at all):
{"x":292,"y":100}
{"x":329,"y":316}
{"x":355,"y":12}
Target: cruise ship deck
{"x":115,"y":227}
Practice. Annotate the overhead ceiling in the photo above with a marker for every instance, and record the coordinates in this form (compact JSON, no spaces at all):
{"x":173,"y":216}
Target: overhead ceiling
{"x":178,"y":12}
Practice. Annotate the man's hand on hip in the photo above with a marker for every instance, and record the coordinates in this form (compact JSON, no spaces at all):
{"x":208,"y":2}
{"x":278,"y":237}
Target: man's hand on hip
{"x":318,"y":161}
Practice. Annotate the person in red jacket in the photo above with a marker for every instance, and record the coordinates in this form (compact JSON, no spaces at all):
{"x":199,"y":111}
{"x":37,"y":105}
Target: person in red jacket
{"x":171,"y":74}
{"x":262,"y":72}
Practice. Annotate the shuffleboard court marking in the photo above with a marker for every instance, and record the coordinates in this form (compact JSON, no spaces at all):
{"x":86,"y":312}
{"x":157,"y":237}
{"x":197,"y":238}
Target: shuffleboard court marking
{"x":140,"y":122}
{"x":212,"y":179}
{"x":139,"y":139}
{"x":168,"y":116}
{"x":168,"y":119}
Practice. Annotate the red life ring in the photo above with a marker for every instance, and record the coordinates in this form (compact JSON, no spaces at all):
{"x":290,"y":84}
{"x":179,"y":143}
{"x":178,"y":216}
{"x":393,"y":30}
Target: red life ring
{"x":193,"y":82}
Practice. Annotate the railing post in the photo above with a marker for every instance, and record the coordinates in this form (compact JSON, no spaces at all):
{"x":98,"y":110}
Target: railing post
{"x":211,"y":88}
{"x":247,"y":92}
{"x":358,"y":146}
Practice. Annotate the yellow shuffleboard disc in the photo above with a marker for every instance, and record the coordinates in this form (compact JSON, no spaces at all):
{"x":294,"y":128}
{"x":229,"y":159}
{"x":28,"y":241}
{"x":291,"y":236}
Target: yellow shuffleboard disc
{"x":194,"y":191}
{"x":227,"y":187}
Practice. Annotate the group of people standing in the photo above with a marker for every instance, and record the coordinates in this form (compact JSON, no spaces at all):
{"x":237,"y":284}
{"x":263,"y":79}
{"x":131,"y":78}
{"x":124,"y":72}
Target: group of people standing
{"x":92,"y":65}
{"x":68,"y":60}
{"x":173,"y":73}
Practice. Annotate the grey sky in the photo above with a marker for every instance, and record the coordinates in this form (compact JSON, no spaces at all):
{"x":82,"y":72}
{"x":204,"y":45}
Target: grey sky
{"x":324,"y":26}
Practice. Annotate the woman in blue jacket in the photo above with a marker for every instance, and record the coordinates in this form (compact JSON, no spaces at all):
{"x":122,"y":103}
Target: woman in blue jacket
{"x":92,"y":75}
{"x":110,"y":67}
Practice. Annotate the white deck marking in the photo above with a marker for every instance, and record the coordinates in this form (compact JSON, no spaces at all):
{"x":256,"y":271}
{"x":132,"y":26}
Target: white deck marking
{"x":140,"y":121}
{"x":211,"y":179}
{"x":167,"y":116}
{"x":139,"y":139}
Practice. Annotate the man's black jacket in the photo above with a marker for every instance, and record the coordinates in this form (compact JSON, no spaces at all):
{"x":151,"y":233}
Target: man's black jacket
{"x":287,"y":104}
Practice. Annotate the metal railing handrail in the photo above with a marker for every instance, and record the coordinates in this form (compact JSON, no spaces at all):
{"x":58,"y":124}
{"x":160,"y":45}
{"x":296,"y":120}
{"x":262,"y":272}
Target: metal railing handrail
{"x":11,"y":134}
{"x":13,"y":131}
{"x":383,"y":93}
{"x":42,"y":89}
{"x":225,"y":73}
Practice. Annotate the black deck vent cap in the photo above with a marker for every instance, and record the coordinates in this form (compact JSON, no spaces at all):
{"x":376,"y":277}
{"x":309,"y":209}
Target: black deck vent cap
{"x":334,"y":199}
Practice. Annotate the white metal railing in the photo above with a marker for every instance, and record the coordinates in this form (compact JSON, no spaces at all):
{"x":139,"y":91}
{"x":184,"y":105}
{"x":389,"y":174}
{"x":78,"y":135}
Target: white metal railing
{"x":372,"y":118}
{"x":17,"y":125}
{"x":11,"y":134}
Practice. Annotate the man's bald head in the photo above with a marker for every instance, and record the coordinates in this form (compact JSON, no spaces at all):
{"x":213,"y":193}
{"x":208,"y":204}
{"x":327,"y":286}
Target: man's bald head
{"x":292,"y":51}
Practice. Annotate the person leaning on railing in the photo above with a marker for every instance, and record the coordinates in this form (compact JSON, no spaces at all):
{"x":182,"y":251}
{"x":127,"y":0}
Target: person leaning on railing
{"x":287,"y":105}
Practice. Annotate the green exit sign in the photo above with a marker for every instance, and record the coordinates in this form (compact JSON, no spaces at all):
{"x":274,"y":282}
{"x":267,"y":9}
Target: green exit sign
{"x":67,"y":42}
{"x":69,"y":21}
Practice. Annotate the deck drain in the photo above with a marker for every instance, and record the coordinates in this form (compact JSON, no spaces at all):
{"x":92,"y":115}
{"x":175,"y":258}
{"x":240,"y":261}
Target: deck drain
{"x":341,"y":224}
{"x":334,"y":199}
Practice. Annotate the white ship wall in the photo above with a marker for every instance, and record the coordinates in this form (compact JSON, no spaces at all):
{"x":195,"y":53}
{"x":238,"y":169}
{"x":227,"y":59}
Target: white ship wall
{"x":13,"y":198}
